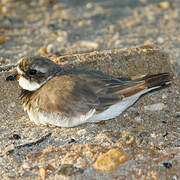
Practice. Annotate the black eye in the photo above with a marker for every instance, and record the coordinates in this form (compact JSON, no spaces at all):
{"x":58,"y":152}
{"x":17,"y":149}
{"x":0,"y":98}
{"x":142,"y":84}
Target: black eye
{"x":32,"y":72}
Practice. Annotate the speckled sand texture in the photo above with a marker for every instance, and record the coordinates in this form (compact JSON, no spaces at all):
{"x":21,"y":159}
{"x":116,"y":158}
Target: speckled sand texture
{"x":143,"y":143}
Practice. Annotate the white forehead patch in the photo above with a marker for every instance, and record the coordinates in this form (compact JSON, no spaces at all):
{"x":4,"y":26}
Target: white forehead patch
{"x":26,"y":84}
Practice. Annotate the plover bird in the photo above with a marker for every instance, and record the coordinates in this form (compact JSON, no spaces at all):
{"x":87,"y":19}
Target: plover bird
{"x":67,"y":97}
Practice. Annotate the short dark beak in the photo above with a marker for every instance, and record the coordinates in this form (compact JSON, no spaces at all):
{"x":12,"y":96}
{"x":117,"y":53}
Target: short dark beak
{"x":12,"y":76}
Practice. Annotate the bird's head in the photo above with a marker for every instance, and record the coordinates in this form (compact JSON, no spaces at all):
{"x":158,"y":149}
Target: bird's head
{"x":33,"y":72}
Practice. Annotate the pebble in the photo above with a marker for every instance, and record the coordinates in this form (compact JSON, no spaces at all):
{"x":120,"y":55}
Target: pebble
{"x":89,"y":5}
{"x":160,"y":40}
{"x":69,"y":170}
{"x":42,"y":173}
{"x":110,"y":161}
{"x":5,"y":9}
{"x":43,"y":50}
{"x":111,"y":28}
{"x":174,"y":178}
{"x":11,"y":105}
{"x":26,"y":165}
{"x":5,"y":1}
{"x":143,"y":1}
{"x":164,"y":96}
{"x":177,"y":114}
{"x":80,"y":24}
{"x":164,"y":5}
{"x":72,"y":141}
{"x":117,"y":43}
{"x":2,"y":40}
{"x":7,"y":24}
{"x":14,"y":136}
{"x":167,"y":165}
{"x":138,"y":119}
{"x":155,"y":107}
{"x":44,"y":2}
{"x":81,"y":132}
{"x":51,"y":48}
{"x":58,"y":6}
{"x":62,"y":36}
{"x":89,"y":44}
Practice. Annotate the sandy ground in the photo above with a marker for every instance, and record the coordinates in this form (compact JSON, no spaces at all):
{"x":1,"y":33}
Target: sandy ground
{"x":143,"y":143}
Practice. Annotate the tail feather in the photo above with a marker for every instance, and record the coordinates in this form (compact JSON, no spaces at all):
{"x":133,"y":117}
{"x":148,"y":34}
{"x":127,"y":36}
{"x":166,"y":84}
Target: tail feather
{"x":157,"y":80}
{"x":147,"y":82}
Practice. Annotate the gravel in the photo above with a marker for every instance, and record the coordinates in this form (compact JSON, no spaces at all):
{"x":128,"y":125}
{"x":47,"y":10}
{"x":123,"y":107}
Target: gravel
{"x":99,"y":35}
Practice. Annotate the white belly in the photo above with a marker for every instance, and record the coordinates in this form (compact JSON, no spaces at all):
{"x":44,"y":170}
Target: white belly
{"x":58,"y":119}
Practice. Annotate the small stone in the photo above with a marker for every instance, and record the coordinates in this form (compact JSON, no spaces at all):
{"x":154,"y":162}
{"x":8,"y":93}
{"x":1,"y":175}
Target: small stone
{"x":89,"y":5}
{"x":81,"y":132}
{"x":164,"y":5}
{"x":148,"y":42}
{"x":58,"y":6}
{"x":62,"y":36}
{"x":72,"y":141}
{"x":154,"y":175}
{"x":111,"y":28}
{"x":143,"y":1}
{"x":14,"y":137}
{"x":117,"y":43}
{"x":164,"y":96}
{"x":26,"y":165}
{"x":7,"y":24}
{"x":119,"y":144}
{"x":88,"y":44}
{"x":142,"y":128}
{"x":42,"y":173}
{"x":44,"y":2}
{"x":109,"y":161}
{"x":167,"y":165}
{"x":155,"y":107}
{"x":83,"y":165}
{"x":153,"y":135}
{"x":138,"y":119}
{"x":165,"y":134}
{"x":9,"y":148}
{"x":50,"y":167}
{"x":61,"y":39}
{"x":43,"y":50}
{"x":51,"y":48}
{"x":5,"y":1}
{"x":160,"y":40}
{"x":88,"y":22}
{"x":5,"y":9}
{"x":2,"y":40}
{"x":174,"y":178}
{"x":80,"y":24}
{"x":12,"y":104}
{"x":177,"y":114}
{"x":127,"y":137}
{"x":69,"y":170}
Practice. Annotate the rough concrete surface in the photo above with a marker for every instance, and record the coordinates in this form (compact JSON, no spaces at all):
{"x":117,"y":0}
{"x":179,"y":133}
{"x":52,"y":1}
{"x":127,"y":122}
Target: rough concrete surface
{"x":143,"y":142}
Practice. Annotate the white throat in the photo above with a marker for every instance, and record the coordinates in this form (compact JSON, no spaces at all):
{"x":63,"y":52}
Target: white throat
{"x":30,"y":86}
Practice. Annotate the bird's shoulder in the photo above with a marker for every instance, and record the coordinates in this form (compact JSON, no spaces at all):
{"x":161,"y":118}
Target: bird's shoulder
{"x":68,"y":94}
